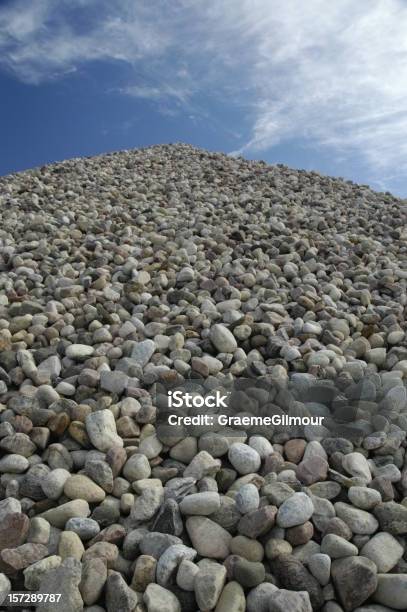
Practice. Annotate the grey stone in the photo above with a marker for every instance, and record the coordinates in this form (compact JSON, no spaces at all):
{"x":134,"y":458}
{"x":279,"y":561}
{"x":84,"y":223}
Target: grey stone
{"x":356,"y":465}
{"x":14,"y":464}
{"x":9,"y":505}
{"x":5,"y":587}
{"x":384,"y":550}
{"x":79,"y":352}
{"x":169,"y":561}
{"x":208,"y":538}
{"x":63,"y":579}
{"x":202,"y":504}
{"x":154,"y":544}
{"x":85,"y":528}
{"x":392,"y":591}
{"x":295,"y":510}
{"x":258,"y":599}
{"x":364,"y":498}
{"x":223,"y":339}
{"x":187,"y":570}
{"x":247,"y":498}
{"x":337,"y":547}
{"x":232,"y":599}
{"x":94,"y":575}
{"x":392,"y":517}
{"x":61,"y":514}
{"x":114,"y":382}
{"x":119,"y":596}
{"x":284,"y":600}
{"x":39,"y":531}
{"x":137,"y":467}
{"x":147,"y":504}
{"x":143,"y":351}
{"x":34,"y":573}
{"x":158,"y":599}
{"x":101,"y":428}
{"x":208,"y":585}
{"x":360,"y":521}
{"x":203,"y":464}
{"x":150,"y":446}
{"x":320,"y":567}
{"x":249,"y":573}
{"x":244,"y":458}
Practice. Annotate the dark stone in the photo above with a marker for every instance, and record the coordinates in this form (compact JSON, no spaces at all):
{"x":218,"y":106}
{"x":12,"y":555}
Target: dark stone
{"x":338,"y":527}
{"x":355,"y":580}
{"x":258,"y":522}
{"x":392,"y":517}
{"x":30,"y":485}
{"x":186,"y":598}
{"x":301,"y":534}
{"x":384,"y":487}
{"x":225,"y":478}
{"x":119,"y":596}
{"x":333,"y":445}
{"x":249,"y":573}
{"x":228,"y":516}
{"x":293,"y":575}
{"x":169,"y":519}
{"x":8,"y":360}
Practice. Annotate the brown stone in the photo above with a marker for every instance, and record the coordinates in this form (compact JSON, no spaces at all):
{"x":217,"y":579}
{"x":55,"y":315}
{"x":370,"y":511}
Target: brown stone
{"x":355,"y":580}
{"x":144,"y":573}
{"x":58,"y":423}
{"x":338,"y":527}
{"x":311,"y":470}
{"x":294,"y":449}
{"x":77,"y":431}
{"x":384,"y":486}
{"x":272,"y":463}
{"x":102,"y":550}
{"x":127,"y":427}
{"x":301,"y":534}
{"x":116,"y":457}
{"x":113,"y":533}
{"x":258,"y":522}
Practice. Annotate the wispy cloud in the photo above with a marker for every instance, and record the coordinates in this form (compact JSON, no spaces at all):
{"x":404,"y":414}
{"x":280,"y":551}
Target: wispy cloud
{"x":332,"y":75}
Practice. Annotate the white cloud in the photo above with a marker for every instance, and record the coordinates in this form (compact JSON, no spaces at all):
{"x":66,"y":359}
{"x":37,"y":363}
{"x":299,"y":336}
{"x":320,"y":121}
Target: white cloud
{"x":327,"y":74}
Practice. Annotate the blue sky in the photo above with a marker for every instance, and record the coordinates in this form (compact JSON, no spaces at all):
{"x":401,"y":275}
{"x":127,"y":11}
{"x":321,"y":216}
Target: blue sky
{"x":317,"y":85}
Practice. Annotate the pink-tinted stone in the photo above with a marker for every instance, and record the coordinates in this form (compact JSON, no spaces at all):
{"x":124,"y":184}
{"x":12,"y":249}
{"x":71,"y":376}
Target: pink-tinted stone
{"x":13,"y":530}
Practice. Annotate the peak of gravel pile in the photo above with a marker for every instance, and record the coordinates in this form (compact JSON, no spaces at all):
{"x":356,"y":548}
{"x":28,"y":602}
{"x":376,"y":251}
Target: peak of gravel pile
{"x":171,"y":265}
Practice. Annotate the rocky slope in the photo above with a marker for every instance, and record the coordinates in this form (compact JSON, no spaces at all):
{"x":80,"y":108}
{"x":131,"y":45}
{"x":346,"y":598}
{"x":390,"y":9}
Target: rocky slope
{"x":172,"y":266}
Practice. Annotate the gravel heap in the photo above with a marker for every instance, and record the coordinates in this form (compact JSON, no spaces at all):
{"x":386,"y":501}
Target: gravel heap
{"x":172,"y":263}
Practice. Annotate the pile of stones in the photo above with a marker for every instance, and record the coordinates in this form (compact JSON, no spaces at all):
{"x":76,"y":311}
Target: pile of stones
{"x":169,"y":265}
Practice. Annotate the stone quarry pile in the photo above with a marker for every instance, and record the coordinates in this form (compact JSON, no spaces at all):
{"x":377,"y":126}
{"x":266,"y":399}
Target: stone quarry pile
{"x":172,"y":264}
